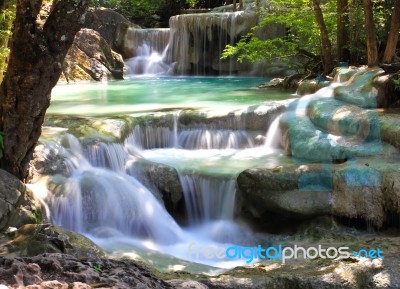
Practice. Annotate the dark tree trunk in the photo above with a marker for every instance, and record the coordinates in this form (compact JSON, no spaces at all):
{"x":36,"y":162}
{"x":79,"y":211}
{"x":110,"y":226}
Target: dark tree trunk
{"x":342,"y":30}
{"x":325,"y":42}
{"x":240,"y":5}
{"x":234,"y":5}
{"x":372,"y":48}
{"x":37,"y":53}
{"x":393,"y":34}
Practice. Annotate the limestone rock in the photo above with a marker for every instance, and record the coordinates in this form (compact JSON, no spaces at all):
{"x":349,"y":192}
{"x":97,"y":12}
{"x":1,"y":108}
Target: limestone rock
{"x":294,"y":191}
{"x":18,"y":205}
{"x":91,"y":57}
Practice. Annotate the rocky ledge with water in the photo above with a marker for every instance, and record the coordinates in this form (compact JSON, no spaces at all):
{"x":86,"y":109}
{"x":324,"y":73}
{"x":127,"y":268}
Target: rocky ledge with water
{"x":132,"y":183}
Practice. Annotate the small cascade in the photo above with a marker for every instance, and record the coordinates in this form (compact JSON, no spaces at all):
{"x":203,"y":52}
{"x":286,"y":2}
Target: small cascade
{"x":214,"y":139}
{"x":208,"y":198}
{"x":148,"y":48}
{"x":112,"y":156}
{"x":197,"y":40}
{"x":149,"y":137}
{"x":274,"y":134}
{"x":93,"y":198}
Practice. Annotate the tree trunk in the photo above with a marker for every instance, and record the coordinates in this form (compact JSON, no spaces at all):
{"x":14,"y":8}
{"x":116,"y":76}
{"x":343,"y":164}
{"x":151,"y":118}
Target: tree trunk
{"x":35,"y":63}
{"x":234,"y":5}
{"x":393,"y":34}
{"x":372,"y":48}
{"x":325,"y":42}
{"x":342,"y":30}
{"x":240,"y":5}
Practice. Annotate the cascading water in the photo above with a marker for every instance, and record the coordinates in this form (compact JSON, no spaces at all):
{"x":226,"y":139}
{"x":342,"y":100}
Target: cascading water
{"x":208,"y":198}
{"x":100,"y":192}
{"x":148,"y":48}
{"x":192,"y":45}
{"x":200,"y":39}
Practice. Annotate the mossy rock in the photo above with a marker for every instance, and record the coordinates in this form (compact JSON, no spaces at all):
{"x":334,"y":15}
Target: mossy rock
{"x":32,"y":240}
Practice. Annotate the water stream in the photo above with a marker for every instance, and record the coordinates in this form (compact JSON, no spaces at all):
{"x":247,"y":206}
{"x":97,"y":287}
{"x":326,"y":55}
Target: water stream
{"x":101,"y":197}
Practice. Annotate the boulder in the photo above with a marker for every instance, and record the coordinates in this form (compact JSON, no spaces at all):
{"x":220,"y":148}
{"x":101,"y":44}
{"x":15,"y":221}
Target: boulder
{"x":18,"y":205}
{"x":91,"y":57}
{"x":363,"y":188}
{"x":111,"y":25}
{"x":162,"y":180}
{"x":296,"y":190}
{"x":32,"y":240}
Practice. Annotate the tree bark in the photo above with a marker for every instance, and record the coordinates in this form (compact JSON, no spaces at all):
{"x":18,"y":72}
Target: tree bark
{"x":35,"y":64}
{"x":372,"y":48}
{"x":342,"y":30}
{"x":234,"y":5}
{"x":327,"y":60}
{"x":393,"y":34}
{"x":240,"y":5}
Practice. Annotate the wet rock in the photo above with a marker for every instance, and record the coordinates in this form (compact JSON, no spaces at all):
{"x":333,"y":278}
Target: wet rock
{"x":91,"y":57}
{"x":162,"y":180}
{"x":32,"y":240}
{"x":18,"y":205}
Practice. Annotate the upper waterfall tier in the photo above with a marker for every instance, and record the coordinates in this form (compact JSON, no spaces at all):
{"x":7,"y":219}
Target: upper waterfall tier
{"x":135,"y":38}
{"x":197,"y":40}
{"x":193,"y":44}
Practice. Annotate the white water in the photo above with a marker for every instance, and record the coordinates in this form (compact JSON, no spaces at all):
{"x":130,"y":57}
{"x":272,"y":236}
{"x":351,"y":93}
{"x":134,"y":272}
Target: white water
{"x":192,"y":45}
{"x":101,"y":200}
{"x":274,"y":134}
{"x":149,"y":48}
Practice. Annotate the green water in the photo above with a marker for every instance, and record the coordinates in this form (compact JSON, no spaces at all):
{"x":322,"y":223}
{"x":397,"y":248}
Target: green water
{"x":157,"y":94}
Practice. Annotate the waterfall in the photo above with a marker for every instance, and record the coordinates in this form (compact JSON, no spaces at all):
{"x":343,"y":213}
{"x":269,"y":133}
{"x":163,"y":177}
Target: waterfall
{"x":208,"y":198}
{"x":214,"y":139}
{"x":148,"y":48}
{"x":198,"y":40}
{"x":95,"y":197}
{"x":274,"y":134}
{"x":192,"y":45}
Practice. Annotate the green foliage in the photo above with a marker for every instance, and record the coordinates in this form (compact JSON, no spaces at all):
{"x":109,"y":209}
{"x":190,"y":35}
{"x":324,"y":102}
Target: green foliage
{"x":97,"y":267}
{"x":302,"y":32}
{"x":298,"y":17}
{"x":140,"y":9}
{"x":396,"y":83}
{"x":7,"y":15}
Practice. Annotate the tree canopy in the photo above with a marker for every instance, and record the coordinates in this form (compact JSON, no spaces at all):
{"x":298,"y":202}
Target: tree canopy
{"x":336,"y":30}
